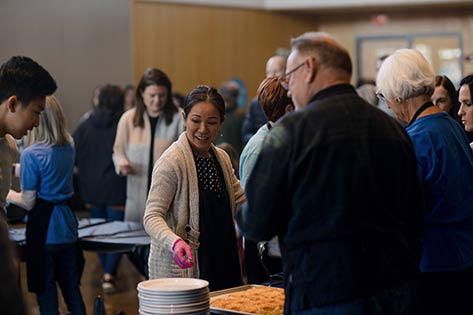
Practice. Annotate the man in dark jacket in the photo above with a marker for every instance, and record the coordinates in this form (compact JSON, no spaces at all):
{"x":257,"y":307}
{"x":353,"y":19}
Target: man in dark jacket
{"x":337,"y":182}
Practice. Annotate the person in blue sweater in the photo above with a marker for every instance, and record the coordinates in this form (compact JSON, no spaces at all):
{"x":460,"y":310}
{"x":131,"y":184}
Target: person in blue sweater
{"x":52,"y":251}
{"x":406,"y":81}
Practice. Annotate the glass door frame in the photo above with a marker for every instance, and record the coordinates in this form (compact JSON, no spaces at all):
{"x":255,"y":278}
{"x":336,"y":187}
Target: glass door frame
{"x":409,"y":38}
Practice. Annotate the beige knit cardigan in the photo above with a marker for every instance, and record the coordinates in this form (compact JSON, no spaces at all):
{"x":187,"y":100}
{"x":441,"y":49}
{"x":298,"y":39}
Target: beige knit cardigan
{"x":132,"y":144}
{"x":173,"y":203}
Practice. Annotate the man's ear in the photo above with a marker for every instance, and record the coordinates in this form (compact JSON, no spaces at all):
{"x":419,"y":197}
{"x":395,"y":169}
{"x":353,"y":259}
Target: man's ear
{"x":12,"y":101}
{"x":312,"y":65}
{"x":289,"y":108}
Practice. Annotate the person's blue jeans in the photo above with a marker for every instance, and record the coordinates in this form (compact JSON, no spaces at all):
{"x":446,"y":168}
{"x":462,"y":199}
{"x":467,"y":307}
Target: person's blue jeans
{"x":109,"y":262}
{"x":62,"y":267}
{"x":402,"y":300}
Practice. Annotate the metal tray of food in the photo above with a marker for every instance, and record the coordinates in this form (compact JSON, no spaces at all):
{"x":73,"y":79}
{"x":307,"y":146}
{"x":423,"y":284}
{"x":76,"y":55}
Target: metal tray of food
{"x":222,"y":293}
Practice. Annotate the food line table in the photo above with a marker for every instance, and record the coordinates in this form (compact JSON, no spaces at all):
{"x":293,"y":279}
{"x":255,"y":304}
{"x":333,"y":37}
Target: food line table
{"x":99,"y":235}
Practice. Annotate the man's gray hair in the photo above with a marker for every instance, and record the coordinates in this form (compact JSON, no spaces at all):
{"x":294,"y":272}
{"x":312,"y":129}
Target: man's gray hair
{"x":405,"y":74}
{"x":325,"y":48}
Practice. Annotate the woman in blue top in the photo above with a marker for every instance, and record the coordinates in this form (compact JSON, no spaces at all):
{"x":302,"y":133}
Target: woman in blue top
{"x":52,"y":253}
{"x":445,"y":166}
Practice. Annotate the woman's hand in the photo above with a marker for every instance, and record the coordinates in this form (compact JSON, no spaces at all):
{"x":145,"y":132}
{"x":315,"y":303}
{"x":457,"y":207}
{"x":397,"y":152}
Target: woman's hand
{"x":183,"y":254}
{"x":125,"y":168}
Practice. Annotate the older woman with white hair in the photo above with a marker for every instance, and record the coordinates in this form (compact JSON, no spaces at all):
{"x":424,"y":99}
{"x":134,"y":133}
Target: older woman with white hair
{"x":445,"y":164}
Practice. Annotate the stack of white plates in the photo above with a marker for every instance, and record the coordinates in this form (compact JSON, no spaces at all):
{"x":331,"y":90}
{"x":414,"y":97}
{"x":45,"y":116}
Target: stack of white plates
{"x":173,"y":296}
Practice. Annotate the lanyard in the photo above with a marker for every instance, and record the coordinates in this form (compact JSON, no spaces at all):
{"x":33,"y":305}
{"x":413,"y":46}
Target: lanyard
{"x":419,"y":111}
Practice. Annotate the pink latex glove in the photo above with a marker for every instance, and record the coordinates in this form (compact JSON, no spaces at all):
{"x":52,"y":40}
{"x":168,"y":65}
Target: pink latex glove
{"x":182,"y":254}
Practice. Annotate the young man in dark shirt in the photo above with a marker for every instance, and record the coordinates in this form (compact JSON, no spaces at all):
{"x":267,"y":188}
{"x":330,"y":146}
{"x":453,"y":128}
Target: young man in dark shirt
{"x":24,"y":85}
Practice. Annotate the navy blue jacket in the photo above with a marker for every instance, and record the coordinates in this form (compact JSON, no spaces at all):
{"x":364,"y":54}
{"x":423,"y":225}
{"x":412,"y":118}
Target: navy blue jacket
{"x":99,"y":185}
{"x":254,"y":119}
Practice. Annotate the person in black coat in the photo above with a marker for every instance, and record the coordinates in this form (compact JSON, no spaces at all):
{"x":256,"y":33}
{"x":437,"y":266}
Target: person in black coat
{"x":103,"y":191}
{"x":337,"y":182}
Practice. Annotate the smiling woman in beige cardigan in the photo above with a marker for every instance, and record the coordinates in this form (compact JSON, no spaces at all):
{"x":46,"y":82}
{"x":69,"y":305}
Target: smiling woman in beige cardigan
{"x":193,"y":196}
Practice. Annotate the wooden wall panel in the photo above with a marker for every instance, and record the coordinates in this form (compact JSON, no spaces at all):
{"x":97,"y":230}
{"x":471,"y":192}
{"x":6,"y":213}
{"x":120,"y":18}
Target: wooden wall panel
{"x":207,"y":45}
{"x":203,"y":44}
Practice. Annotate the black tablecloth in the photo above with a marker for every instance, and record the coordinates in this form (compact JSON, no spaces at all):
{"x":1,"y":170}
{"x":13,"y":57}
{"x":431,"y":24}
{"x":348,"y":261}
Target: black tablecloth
{"x":100,"y":235}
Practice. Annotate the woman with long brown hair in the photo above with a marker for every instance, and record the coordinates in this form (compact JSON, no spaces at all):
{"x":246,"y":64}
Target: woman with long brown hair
{"x":144,"y":133}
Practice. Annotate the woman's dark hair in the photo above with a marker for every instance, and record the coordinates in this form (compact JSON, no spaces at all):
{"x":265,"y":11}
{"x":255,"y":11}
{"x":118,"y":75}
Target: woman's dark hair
{"x":205,"y":94}
{"x":153,"y":76}
{"x":111,"y":98}
{"x":468,"y":80}
{"x":180,"y":99}
{"x":444,"y":81}
{"x":128,"y":87}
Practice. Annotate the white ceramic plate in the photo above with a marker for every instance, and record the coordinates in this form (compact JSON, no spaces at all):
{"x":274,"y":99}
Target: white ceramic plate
{"x":172,"y":294}
{"x":174,"y":310}
{"x":175,"y":306}
{"x":188,"y":311}
{"x":173,"y":285}
{"x":199,"y":313}
{"x":173,"y":299}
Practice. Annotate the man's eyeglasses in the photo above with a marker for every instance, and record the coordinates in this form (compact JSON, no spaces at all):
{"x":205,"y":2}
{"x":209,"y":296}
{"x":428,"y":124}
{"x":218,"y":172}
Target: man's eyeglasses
{"x":380,"y":96}
{"x":284,"y":79}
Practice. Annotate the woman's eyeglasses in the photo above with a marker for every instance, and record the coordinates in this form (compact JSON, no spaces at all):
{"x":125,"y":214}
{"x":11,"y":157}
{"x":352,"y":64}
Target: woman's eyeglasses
{"x":284,"y":79}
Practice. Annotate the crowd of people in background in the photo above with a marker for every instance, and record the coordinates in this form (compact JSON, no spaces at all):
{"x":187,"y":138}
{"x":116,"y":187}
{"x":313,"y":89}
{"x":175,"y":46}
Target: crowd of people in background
{"x":366,"y":192}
